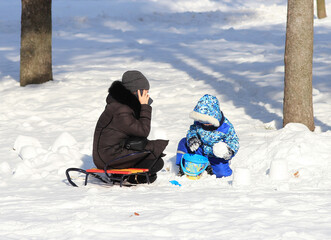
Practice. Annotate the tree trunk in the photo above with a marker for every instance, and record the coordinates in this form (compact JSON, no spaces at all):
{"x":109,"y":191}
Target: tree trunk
{"x":298,"y":100}
{"x":36,"y":42}
{"x":321,"y":11}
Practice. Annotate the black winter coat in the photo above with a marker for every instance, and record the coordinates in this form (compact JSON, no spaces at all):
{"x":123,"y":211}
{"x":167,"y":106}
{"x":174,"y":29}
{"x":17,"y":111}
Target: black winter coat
{"x":123,"y":117}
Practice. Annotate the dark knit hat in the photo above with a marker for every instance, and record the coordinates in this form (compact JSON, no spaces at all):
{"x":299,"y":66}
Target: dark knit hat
{"x":134,"y":80}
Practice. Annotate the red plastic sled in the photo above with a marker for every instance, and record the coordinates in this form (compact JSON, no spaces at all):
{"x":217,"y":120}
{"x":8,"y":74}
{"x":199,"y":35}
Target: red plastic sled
{"x":112,"y":175}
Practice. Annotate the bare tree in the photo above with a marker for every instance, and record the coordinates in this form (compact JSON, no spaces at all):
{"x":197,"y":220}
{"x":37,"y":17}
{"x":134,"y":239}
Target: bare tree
{"x":36,"y":42}
{"x":321,"y":10}
{"x":298,"y":100}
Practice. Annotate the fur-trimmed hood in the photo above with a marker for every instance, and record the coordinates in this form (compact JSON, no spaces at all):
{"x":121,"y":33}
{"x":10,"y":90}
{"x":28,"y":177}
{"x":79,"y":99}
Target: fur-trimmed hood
{"x":207,"y":110}
{"x":122,"y":95}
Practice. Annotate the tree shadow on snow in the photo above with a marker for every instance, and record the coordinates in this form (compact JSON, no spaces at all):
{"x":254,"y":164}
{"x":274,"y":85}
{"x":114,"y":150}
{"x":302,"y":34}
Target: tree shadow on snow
{"x":8,"y":68}
{"x":162,"y":37}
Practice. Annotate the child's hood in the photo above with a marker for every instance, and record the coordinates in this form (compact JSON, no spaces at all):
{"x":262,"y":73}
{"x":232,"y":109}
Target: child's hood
{"x":207,"y":110}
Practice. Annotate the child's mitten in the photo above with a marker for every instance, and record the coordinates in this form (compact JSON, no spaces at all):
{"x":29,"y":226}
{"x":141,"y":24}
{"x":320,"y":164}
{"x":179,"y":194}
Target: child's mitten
{"x":222,"y":150}
{"x":194,"y":143}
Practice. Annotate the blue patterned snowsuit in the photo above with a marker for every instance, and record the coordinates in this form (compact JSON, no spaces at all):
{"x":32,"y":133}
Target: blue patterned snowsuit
{"x":207,"y":111}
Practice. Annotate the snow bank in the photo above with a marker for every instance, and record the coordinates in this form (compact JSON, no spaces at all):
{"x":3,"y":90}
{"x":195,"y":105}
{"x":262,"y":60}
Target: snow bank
{"x":41,"y":163}
{"x":303,"y":154}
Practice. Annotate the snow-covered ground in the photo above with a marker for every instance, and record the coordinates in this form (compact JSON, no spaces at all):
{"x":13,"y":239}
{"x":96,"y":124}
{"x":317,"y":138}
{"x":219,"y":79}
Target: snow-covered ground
{"x":231,"y":49}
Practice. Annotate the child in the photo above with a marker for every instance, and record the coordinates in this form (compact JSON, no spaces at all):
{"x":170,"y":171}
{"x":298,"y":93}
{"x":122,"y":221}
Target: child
{"x":211,"y":135}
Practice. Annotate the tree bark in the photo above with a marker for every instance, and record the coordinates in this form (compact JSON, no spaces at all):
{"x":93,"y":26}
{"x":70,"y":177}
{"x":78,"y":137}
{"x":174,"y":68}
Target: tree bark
{"x":36,"y":42}
{"x":298,"y":100}
{"x":321,"y":11}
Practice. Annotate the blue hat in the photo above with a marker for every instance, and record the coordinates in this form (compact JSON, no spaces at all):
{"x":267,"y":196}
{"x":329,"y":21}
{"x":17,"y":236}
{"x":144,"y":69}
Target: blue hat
{"x":207,"y":110}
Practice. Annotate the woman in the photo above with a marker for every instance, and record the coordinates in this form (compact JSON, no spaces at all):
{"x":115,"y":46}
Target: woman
{"x":127,"y":114}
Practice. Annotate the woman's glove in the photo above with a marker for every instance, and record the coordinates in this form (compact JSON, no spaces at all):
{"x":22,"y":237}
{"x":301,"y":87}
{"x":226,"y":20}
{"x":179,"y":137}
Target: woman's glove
{"x":194,"y":143}
{"x":222,"y":150}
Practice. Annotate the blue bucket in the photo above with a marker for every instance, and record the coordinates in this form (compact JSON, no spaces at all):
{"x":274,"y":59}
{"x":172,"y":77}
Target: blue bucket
{"x":193,"y":165}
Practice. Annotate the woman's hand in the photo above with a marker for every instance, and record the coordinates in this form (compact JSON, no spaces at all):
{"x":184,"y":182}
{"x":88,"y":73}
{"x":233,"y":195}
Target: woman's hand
{"x":143,"y":97}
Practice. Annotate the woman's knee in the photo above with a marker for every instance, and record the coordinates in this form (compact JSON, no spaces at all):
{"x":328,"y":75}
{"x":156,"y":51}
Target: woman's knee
{"x":157,"y":166}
